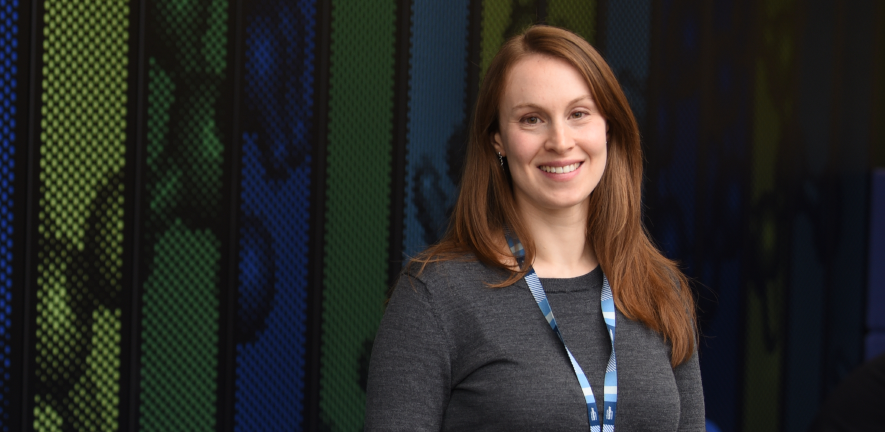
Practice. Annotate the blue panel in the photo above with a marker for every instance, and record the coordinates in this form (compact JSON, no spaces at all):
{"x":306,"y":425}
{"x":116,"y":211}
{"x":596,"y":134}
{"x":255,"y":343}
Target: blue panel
{"x":10,"y":40}
{"x":274,"y":211}
{"x":875,"y":344}
{"x":437,"y":121}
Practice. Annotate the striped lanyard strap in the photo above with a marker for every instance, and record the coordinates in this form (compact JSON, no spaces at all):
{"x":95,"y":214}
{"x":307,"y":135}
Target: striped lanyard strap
{"x":610,"y":406}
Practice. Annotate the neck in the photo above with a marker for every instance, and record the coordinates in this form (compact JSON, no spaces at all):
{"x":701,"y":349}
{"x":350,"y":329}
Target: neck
{"x":561,"y":246}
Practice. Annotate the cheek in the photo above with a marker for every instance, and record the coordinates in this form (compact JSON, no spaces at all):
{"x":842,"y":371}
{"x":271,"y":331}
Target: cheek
{"x":519,"y":147}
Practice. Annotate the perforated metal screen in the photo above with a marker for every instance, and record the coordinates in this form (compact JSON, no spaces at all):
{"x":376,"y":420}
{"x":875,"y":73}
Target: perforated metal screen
{"x":203,"y":202}
{"x":274,"y":224}
{"x":185,"y":213}
{"x":80,"y":233}
{"x":437,"y":128}
{"x":11,"y":144}
{"x":357,"y":202}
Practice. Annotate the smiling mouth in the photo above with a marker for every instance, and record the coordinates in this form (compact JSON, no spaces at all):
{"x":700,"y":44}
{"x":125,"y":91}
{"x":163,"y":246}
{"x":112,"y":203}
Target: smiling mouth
{"x":560,"y":170}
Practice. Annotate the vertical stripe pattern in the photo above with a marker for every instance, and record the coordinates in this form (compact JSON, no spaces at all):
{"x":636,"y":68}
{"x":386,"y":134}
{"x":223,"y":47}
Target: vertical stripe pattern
{"x":80,"y":229}
{"x":10,"y":140}
{"x":185,"y":220}
{"x":274,"y":208}
{"x":437,"y":127}
{"x":357,"y":202}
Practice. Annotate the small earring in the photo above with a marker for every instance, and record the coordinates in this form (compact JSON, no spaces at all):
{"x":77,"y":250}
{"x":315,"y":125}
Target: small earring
{"x":501,"y":159}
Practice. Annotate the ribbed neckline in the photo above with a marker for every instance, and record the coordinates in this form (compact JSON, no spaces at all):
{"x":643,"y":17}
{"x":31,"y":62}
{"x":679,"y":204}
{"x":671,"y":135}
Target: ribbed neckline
{"x":589,"y":281}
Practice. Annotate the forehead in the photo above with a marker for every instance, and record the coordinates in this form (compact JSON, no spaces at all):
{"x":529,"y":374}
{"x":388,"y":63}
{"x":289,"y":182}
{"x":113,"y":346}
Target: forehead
{"x":543,"y":77}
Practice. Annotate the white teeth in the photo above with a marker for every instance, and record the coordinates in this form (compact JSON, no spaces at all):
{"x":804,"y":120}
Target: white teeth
{"x":560,"y":170}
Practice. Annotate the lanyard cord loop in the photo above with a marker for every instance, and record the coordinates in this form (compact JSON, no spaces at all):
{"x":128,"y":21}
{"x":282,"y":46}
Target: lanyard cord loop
{"x":610,"y":401}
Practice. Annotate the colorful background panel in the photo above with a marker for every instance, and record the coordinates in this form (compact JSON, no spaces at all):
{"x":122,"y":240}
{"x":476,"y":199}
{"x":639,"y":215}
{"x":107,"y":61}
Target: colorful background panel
{"x":185,"y":213}
{"x":274,"y":224}
{"x":79,"y":229}
{"x":204,"y":202}
{"x":357,"y":202}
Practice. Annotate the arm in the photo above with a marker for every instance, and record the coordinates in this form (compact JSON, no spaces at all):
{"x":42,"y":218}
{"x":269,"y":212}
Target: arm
{"x":409,"y":371}
{"x":691,"y":395}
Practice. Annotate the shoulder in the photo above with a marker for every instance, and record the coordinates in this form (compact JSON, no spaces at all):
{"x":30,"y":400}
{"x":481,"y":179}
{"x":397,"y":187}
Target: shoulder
{"x":452,"y":287}
{"x":457,"y":274}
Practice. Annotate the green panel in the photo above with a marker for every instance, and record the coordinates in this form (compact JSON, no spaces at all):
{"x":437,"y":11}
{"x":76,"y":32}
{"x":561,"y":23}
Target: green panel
{"x":502,"y":19}
{"x":80,"y":219}
{"x":189,"y":109}
{"x":179,"y":393}
{"x":358,"y":201}
{"x":578,"y":16}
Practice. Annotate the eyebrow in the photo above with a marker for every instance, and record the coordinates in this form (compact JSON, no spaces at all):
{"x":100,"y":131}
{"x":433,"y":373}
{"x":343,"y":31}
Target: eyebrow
{"x":572,"y":102}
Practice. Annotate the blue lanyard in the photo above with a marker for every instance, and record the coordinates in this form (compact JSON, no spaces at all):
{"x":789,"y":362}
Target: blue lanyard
{"x":610,"y":404}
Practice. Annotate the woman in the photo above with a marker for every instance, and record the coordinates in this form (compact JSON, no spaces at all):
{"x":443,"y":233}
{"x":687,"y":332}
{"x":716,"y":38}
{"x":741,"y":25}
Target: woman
{"x":548,"y":218}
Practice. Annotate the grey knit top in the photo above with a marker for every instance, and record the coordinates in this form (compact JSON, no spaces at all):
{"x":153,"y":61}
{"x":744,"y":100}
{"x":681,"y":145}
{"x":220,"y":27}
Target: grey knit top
{"x":453,"y":354}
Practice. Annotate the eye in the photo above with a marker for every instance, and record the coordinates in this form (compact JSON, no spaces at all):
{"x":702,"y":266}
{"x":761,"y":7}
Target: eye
{"x":531,"y":120}
{"x":580,"y":114}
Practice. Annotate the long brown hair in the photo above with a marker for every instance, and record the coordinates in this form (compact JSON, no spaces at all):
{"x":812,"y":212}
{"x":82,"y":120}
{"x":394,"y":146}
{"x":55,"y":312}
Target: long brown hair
{"x":647,"y":286}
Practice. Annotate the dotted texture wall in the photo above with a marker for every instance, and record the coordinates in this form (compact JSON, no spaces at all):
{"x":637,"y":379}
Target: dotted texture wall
{"x":437,"y":124}
{"x":80,"y":230}
{"x":502,"y":19}
{"x":274,"y":214}
{"x":357,"y":202}
{"x":775,"y":67}
{"x":579,"y":16}
{"x":874,"y":341}
{"x":826,"y":221}
{"x":185,"y":212}
{"x":698,"y":162}
{"x":627,"y":49}
{"x":761,"y":196}
{"x":11,"y":105}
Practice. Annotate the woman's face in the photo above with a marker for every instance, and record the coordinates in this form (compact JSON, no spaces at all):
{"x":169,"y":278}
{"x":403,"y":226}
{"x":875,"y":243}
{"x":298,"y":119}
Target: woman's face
{"x":552,"y":134}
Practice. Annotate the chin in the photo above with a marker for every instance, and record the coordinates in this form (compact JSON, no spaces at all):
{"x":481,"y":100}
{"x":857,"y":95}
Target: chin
{"x":566,"y":203}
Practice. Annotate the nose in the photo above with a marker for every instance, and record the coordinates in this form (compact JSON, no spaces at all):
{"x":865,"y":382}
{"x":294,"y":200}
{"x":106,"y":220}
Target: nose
{"x":559,"y":140}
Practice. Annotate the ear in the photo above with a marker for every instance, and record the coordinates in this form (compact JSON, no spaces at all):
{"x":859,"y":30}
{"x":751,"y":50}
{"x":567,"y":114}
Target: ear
{"x":496,"y":142}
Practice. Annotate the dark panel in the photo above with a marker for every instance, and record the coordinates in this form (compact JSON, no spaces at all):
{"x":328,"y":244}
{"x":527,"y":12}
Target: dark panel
{"x":875,"y":337}
{"x":698,"y":121}
{"x":829,"y":181}
{"x":840,"y":204}
{"x":627,"y":39}
{"x":15,"y":45}
{"x":317,"y":238}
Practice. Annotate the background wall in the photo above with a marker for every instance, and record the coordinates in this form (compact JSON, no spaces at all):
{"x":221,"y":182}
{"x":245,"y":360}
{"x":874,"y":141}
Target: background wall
{"x":203,"y":202}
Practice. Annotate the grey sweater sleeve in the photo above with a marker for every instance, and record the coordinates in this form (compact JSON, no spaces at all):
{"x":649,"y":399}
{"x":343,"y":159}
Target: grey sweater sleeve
{"x":691,"y":395}
{"x":409,"y":372}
